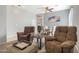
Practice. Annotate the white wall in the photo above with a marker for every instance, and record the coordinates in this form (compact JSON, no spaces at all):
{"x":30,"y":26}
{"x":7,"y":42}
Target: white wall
{"x":2,"y":24}
{"x":17,"y":18}
{"x":75,"y":22}
{"x":11,"y":22}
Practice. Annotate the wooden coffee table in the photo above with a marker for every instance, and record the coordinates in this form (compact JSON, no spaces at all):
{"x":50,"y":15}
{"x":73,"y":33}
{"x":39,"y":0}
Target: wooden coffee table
{"x":30,"y":49}
{"x":21,"y":45}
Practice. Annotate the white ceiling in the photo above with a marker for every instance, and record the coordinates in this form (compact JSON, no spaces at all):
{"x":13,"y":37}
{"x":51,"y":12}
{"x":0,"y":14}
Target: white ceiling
{"x":40,"y":8}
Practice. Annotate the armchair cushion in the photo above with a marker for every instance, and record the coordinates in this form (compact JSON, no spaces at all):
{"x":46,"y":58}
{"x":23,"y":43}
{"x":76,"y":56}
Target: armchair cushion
{"x":61,"y":29}
{"x":50,"y":38}
{"x":53,"y":46}
{"x":61,"y":36}
{"x":71,"y":36}
{"x":68,"y":44}
{"x":72,"y":29}
{"x":24,"y":37}
{"x":53,"y":43}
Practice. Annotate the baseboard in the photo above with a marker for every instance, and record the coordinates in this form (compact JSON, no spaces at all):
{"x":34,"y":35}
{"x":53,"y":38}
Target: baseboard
{"x":12,"y":38}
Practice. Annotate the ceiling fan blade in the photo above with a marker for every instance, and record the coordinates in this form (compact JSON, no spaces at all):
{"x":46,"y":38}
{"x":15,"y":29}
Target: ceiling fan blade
{"x":51,"y":8}
{"x":46,"y":8}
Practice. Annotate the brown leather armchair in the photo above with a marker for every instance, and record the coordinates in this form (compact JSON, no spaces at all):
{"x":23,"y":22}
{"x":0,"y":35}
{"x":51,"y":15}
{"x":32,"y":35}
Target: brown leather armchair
{"x":26,"y":35}
{"x":64,"y":40}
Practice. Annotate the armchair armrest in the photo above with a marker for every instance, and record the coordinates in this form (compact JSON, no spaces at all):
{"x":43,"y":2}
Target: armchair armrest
{"x":50,"y":38}
{"x":32,"y":34}
{"x":20,"y":33}
{"x":23,"y":35}
{"x":68,"y":44}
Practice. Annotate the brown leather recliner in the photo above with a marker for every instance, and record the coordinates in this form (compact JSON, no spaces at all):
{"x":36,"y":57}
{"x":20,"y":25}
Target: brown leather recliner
{"x":26,"y":35}
{"x":64,"y":40}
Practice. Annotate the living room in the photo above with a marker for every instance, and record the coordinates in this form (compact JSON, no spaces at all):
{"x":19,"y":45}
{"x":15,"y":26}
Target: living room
{"x":16,"y":17}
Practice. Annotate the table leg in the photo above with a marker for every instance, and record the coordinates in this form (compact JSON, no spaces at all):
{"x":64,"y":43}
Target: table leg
{"x":37,"y":40}
{"x":39,"y":43}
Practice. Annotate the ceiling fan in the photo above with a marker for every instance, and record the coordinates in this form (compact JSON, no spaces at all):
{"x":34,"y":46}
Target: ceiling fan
{"x":19,"y":6}
{"x":47,"y":9}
